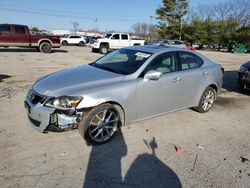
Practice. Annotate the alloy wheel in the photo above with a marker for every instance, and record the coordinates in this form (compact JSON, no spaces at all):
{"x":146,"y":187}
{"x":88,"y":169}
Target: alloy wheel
{"x":103,"y":125}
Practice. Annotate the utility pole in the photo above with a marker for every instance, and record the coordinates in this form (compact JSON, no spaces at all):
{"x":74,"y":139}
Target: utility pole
{"x":182,"y":12}
{"x":150,"y":28}
{"x":95,"y":20}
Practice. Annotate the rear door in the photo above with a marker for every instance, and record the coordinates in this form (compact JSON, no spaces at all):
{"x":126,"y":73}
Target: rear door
{"x":193,"y":76}
{"x":5,"y":35}
{"x":21,"y":36}
{"x":124,"y":40}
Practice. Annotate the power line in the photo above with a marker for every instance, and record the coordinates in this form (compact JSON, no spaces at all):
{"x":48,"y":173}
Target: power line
{"x":44,"y":12}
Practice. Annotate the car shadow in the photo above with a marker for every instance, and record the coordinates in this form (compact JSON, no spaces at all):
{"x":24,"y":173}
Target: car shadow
{"x":54,"y":50}
{"x":230,"y":83}
{"x":105,"y":169}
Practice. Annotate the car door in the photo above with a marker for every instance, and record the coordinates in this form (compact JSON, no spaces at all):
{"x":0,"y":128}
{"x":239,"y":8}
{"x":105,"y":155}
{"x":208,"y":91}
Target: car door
{"x":162,"y":95}
{"x":124,"y":41}
{"x":21,"y":36}
{"x":193,"y":75}
{"x":115,"y":41}
{"x":5,"y":34}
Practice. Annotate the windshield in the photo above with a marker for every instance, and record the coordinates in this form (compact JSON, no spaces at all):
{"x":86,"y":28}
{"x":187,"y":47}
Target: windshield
{"x":108,"y":35}
{"x":123,"y":61}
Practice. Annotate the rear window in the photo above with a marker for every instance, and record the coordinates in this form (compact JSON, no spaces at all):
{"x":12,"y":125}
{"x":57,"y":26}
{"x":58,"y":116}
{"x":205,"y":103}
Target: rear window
{"x":4,"y":28}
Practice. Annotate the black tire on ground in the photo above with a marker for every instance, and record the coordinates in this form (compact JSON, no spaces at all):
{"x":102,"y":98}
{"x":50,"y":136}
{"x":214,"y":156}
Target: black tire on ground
{"x":64,"y":42}
{"x":207,"y":100}
{"x":45,"y":47}
{"x":81,"y":43}
{"x":100,"y":124}
{"x":104,"y":49}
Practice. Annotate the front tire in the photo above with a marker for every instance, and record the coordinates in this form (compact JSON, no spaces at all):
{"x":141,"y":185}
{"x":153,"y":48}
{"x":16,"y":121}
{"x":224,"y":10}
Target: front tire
{"x":100,"y":124}
{"x":64,"y":43}
{"x":45,"y":47}
{"x":207,"y":100}
{"x":81,"y":43}
{"x":104,"y":49}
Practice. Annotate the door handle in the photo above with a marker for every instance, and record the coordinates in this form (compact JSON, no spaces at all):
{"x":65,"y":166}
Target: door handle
{"x":177,"y":79}
{"x":205,"y":73}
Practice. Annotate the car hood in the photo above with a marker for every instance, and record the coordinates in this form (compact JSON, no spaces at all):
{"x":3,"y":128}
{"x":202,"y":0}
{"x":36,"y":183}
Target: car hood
{"x":74,"y":81}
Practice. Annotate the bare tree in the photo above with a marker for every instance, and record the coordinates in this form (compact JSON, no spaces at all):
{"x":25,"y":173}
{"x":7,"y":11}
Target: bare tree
{"x":75,"y":26}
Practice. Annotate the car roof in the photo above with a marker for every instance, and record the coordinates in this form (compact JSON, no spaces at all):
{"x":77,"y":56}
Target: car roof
{"x":155,"y":48}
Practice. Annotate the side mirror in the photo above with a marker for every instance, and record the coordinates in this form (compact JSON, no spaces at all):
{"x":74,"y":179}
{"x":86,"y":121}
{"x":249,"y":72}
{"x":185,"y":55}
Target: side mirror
{"x":152,"y":75}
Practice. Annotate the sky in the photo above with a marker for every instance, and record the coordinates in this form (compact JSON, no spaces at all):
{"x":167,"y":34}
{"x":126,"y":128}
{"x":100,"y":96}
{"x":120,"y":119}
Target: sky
{"x":106,"y":15}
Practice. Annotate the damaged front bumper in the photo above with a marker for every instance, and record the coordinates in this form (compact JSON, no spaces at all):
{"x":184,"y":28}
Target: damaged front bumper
{"x":44,"y":118}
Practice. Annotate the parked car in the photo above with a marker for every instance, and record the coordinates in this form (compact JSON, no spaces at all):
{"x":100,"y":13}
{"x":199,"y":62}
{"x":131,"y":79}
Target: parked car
{"x":73,"y":40}
{"x":114,"y":41}
{"x":127,"y":85}
{"x":244,"y":76}
{"x":19,"y":36}
{"x":175,"y":43}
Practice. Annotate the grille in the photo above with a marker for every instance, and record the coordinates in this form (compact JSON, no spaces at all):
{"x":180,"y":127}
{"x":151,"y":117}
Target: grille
{"x":53,"y":118}
{"x":35,"y":97}
{"x":35,"y":122}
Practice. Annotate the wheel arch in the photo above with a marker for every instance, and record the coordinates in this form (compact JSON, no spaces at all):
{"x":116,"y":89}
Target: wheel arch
{"x":45,"y":40}
{"x":119,"y":108}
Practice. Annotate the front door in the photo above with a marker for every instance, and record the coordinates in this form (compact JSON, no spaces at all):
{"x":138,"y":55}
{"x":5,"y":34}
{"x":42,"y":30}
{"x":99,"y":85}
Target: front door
{"x":162,"y":95}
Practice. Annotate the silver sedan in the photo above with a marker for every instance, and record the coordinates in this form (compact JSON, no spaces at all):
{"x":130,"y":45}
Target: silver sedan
{"x":125,"y":86}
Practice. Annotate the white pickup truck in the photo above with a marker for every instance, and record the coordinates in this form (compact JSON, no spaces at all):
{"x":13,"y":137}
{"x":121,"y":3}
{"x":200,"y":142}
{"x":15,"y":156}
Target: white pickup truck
{"x":114,"y":41}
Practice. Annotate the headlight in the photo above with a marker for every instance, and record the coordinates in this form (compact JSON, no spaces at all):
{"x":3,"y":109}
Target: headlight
{"x":243,"y":69}
{"x":64,"y":102}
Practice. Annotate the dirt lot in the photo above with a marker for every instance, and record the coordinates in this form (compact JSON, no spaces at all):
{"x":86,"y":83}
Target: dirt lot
{"x":216,"y":145}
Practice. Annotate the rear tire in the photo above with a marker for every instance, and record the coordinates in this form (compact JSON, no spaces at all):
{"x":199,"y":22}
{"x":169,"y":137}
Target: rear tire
{"x":45,"y":47}
{"x":65,"y":43}
{"x":207,"y":100}
{"x":104,"y":49}
{"x":100,"y":124}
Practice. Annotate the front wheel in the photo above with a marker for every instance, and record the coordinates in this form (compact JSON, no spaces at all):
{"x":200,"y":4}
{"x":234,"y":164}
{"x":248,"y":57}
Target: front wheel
{"x":45,"y":47}
{"x":104,"y":49}
{"x":100,"y":124}
{"x":207,"y":100}
{"x":81,"y":43}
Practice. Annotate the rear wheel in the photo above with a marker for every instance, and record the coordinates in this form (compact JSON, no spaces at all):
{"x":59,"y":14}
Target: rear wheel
{"x":104,"y":49}
{"x":100,"y":124}
{"x":207,"y":100}
{"x":64,"y":43}
{"x":45,"y":47}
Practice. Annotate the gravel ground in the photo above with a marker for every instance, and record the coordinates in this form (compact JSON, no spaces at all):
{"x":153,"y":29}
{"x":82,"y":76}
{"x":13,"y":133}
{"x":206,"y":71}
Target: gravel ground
{"x":215,"y":147}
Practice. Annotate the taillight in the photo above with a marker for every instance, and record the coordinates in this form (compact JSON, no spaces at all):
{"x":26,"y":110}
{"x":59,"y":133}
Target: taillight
{"x":222,"y":70}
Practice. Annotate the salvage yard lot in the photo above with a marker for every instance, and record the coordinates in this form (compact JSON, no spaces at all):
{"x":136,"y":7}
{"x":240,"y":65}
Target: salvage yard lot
{"x":215,"y":146}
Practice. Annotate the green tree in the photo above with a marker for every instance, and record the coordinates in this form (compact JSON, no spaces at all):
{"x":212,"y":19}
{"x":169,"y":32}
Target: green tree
{"x":34,"y":29}
{"x":170,"y":16}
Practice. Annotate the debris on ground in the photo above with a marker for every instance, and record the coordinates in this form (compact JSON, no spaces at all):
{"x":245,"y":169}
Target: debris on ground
{"x":243,"y":159}
{"x":179,"y":149}
{"x":196,"y":157}
{"x":63,"y":154}
{"x":199,"y":146}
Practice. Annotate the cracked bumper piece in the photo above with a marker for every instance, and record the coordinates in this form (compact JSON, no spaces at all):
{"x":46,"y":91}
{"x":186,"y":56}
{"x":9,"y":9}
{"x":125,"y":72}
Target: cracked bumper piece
{"x":41,"y":117}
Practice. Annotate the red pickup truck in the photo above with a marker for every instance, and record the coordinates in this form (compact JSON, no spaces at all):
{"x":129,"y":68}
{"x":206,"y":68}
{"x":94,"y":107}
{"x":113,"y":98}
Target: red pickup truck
{"x":19,"y":36}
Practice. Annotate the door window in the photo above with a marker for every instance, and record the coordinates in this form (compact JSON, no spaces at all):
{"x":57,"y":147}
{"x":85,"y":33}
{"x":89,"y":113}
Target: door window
{"x":4,"y":28}
{"x":19,"y":29}
{"x":116,"y":37}
{"x":164,"y":63}
{"x":189,"y":61}
{"x":124,"y":37}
